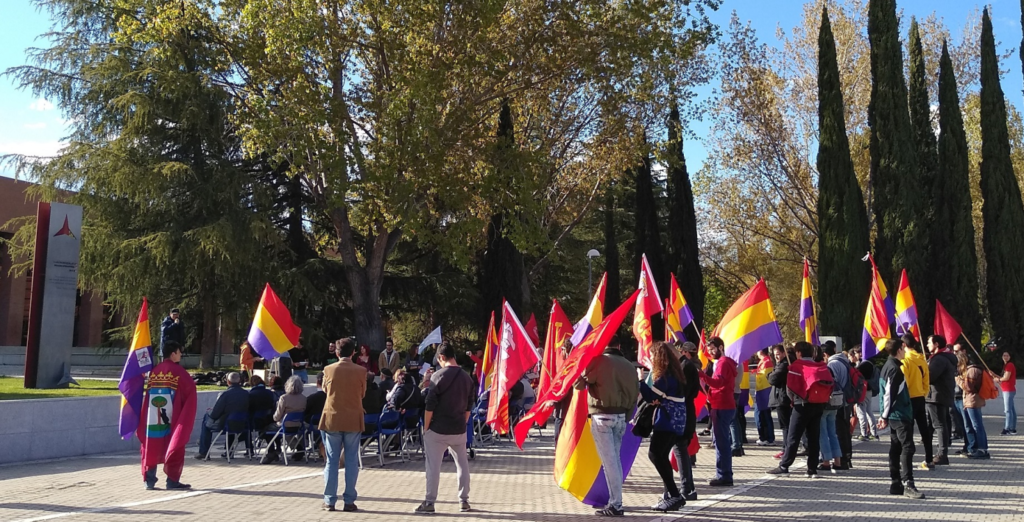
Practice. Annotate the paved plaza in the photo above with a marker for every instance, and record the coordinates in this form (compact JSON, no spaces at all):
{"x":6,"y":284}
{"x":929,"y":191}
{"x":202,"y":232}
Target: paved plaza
{"x":511,"y":485}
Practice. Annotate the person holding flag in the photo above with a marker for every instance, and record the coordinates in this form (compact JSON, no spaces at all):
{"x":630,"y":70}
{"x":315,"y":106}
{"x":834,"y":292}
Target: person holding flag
{"x":721,"y":386}
{"x":133,"y":376}
{"x":170,"y":412}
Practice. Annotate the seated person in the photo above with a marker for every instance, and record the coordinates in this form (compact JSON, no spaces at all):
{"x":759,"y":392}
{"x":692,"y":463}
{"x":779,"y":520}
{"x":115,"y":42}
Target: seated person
{"x":233,"y":400}
{"x":387,"y":382}
{"x":373,"y":402}
{"x":515,"y":395}
{"x":403,"y":396}
{"x":261,"y":406}
{"x":277,"y":386}
{"x":292,"y":401}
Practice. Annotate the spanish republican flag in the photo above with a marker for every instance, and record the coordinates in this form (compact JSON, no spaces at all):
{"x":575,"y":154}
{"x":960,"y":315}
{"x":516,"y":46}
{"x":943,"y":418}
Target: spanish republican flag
{"x":808,"y":316}
{"x":594,"y":314}
{"x":648,"y":304}
{"x":677,"y":313}
{"x":749,"y":325}
{"x":876,"y":318}
{"x":273,"y":332}
{"x":906,"y":309}
{"x":490,"y":354}
{"x":133,"y":376}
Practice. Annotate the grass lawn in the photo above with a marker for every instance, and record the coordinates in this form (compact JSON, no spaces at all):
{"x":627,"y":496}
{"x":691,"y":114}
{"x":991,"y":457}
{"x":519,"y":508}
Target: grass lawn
{"x":12,"y":388}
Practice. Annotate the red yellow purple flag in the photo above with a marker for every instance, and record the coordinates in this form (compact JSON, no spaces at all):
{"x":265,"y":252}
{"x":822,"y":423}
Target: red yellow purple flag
{"x":273,"y":332}
{"x":133,"y":376}
{"x":749,"y":325}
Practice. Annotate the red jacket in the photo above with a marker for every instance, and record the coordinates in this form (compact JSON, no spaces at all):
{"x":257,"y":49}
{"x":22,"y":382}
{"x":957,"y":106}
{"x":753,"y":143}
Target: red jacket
{"x":722,"y":384}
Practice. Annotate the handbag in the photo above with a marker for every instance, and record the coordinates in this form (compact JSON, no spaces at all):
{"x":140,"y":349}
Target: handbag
{"x":643,"y":420}
{"x":674,"y":408}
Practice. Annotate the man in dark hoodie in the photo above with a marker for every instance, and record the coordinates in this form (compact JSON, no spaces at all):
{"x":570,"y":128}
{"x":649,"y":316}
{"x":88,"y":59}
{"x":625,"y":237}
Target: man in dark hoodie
{"x":778,"y":400}
{"x":897,"y":413}
{"x":941,"y":384}
{"x":806,"y":418}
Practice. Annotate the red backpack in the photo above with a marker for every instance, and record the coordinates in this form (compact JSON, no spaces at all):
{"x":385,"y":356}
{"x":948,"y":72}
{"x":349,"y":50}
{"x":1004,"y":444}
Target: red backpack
{"x":811,"y":381}
{"x":858,"y":387}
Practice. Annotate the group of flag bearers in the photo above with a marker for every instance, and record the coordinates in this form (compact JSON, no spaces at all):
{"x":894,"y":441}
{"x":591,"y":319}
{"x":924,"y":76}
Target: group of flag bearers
{"x":162,"y":413}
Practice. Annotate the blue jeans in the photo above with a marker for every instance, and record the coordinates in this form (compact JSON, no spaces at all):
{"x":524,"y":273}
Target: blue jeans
{"x":828,"y":437}
{"x":334,"y":443}
{"x":302,"y":375}
{"x":968,"y":432}
{"x":975,"y":430}
{"x":1010,"y":410}
{"x":721,"y":425}
{"x":206,"y":432}
{"x":607,"y":430}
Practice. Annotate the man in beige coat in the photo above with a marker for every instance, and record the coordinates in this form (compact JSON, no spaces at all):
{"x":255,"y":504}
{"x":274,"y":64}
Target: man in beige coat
{"x":389,"y":358}
{"x":342,"y":423}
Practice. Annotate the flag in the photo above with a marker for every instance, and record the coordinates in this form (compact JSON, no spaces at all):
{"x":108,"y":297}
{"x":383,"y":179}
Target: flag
{"x":532,"y":331}
{"x":749,"y":325}
{"x":906,"y":309}
{"x":431,"y":338}
{"x":945,"y":325}
{"x":578,"y":468}
{"x":594,"y":314}
{"x":876,"y":318}
{"x":703,"y":355}
{"x":648,"y":304}
{"x":133,"y":376}
{"x":559,"y":329}
{"x":677,"y":313}
{"x":808,"y":318}
{"x":572,"y":368}
{"x":272,"y":332}
{"x":516,"y":355}
{"x":490,"y":353}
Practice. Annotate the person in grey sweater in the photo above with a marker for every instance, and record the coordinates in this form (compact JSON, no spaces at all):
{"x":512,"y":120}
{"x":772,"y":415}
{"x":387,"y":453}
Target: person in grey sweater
{"x":941,"y":390}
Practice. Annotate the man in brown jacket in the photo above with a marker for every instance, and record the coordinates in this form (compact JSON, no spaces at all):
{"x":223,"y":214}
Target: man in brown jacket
{"x":389,"y":358}
{"x":342,"y":423}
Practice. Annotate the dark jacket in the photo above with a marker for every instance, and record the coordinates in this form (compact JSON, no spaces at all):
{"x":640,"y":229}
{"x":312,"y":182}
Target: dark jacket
{"x":373,"y":402}
{"x":870,"y":373}
{"x":777,"y":378}
{"x":449,"y":399}
{"x":262,"y":400}
{"x":315,"y":405}
{"x":692,"y":388}
{"x":894,"y":395}
{"x":406,"y":395}
{"x":671,"y":387}
{"x":232,"y":400}
{"x":611,"y":383}
{"x":942,"y":379}
{"x":169,"y":331}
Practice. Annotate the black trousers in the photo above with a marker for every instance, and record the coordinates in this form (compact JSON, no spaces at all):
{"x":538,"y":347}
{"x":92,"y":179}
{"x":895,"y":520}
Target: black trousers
{"x":681,"y":451}
{"x":806,"y":418}
{"x":844,"y":433}
{"x":921,"y":419}
{"x":741,"y":421}
{"x":784,"y":412}
{"x":901,"y":451}
{"x":662,"y":443}
{"x":939,"y":415}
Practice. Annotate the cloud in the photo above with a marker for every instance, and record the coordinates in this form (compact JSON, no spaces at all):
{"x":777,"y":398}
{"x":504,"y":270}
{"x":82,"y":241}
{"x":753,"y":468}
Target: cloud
{"x":41,"y":105}
{"x":34,"y":126}
{"x":31,"y":148}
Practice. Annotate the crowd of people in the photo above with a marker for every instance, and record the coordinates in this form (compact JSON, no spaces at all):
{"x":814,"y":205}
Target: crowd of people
{"x":941,"y":394}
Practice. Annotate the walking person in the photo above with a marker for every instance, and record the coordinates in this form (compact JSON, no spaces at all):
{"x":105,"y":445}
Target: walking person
{"x":779,"y":400}
{"x":896,"y":412}
{"x":449,"y":401}
{"x":806,"y":418}
{"x":612,"y":389}
{"x":721,"y":394}
{"x":341,"y":424}
{"x":667,"y":394}
{"x":691,"y":384}
{"x":942,"y":380}
{"x":969,"y":377}
{"x":915,"y":370}
{"x":865,"y":417}
{"x":1008,"y":384}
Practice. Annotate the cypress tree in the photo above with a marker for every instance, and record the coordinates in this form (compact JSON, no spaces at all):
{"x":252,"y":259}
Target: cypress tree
{"x":901,"y":241}
{"x":647,"y":238}
{"x":1002,"y":210}
{"x":683,"y":252}
{"x":613,"y":292}
{"x":843,"y":283}
{"x":502,"y":270}
{"x":952,"y":240}
{"x":924,"y":285}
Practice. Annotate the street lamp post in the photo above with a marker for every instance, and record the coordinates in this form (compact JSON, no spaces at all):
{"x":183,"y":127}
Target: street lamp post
{"x":591,"y":254}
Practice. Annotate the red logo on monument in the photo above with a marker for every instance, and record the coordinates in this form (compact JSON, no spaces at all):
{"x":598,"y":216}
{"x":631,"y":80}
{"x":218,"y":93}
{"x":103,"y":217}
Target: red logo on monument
{"x":65,"y":230}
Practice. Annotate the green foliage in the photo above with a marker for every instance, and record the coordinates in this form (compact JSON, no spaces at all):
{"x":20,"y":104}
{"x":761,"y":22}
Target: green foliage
{"x":1002,"y":209}
{"x":898,"y":197}
{"x":924,"y":286}
{"x":952,"y":232}
{"x":843,"y":281}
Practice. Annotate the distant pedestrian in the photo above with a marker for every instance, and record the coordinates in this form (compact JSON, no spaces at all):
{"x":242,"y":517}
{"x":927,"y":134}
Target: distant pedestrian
{"x":300,"y":362}
{"x":172,"y":329}
{"x":449,"y":401}
{"x":863,"y":409}
{"x":342,"y":424}
{"x":1008,"y":383}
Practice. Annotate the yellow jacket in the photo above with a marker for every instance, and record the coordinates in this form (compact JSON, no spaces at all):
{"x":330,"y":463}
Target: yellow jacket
{"x":915,"y":369}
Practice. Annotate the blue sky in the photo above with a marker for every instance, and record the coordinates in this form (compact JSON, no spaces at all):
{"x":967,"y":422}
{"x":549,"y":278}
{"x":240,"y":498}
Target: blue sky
{"x":29,"y":125}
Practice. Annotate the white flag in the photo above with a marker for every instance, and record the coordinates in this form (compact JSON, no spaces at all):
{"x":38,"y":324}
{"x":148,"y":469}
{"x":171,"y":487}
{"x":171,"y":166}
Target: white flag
{"x":432,"y":338}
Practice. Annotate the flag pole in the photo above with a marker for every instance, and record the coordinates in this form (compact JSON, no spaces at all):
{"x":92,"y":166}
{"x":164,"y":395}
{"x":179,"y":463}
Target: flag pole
{"x":980,"y":358}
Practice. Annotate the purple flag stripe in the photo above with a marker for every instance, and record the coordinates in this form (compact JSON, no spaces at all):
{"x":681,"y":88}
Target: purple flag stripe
{"x":806,"y":310}
{"x":261,"y":344}
{"x":761,"y":337}
{"x":598,"y":494}
{"x":867,"y":345}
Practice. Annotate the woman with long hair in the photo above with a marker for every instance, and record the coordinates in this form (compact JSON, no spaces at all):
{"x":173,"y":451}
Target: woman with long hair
{"x":365,"y":360}
{"x":969,"y":377}
{"x":669,"y":395}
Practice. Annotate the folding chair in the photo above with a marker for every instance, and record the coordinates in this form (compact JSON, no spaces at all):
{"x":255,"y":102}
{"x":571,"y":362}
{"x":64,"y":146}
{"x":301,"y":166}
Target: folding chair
{"x":412,"y":431}
{"x":386,"y":435}
{"x":258,"y":418}
{"x":312,"y":432}
{"x":369,"y":435}
{"x":237,"y":426}
{"x":284,"y":431}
